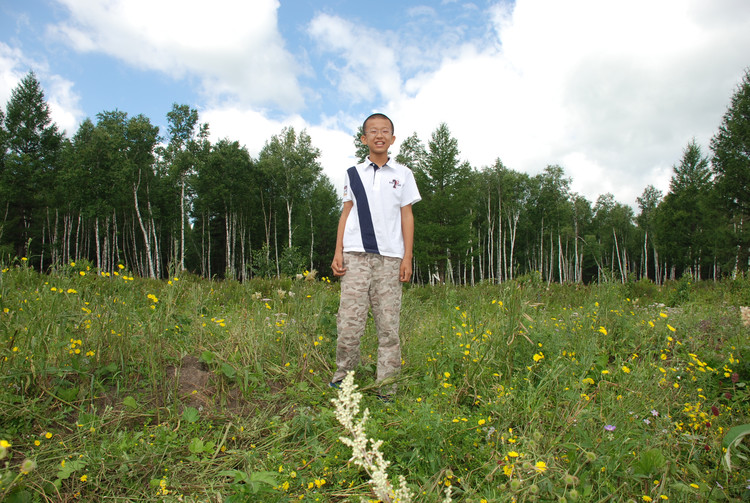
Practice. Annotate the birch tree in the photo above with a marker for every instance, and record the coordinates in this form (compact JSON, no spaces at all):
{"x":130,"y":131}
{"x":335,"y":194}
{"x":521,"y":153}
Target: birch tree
{"x":291,"y":161}
{"x":180,"y":155}
{"x":648,"y":202}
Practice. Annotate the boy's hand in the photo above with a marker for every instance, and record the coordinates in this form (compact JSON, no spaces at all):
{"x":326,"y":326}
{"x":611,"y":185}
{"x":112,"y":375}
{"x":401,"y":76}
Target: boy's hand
{"x":405,"y":271}
{"x":337,"y":266}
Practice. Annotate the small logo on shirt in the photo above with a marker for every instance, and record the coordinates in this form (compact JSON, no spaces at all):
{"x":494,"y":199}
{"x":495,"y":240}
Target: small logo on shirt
{"x":396,"y":183}
{"x":346,"y":189}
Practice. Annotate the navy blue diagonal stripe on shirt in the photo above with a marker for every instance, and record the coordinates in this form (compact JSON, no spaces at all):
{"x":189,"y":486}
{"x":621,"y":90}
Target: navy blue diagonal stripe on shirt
{"x":369,"y":242}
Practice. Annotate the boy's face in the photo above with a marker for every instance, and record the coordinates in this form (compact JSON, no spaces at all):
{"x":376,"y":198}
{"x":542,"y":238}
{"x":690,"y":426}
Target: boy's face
{"x":378,"y":135}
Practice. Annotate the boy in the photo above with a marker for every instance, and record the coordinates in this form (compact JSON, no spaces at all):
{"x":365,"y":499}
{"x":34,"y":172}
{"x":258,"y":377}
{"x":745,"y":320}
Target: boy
{"x":373,"y":252}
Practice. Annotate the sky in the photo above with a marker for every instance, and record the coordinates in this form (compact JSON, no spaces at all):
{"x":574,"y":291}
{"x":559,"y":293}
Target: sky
{"x":610,"y":90}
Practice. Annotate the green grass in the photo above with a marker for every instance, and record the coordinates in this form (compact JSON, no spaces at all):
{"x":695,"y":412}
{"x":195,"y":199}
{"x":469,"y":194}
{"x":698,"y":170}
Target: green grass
{"x":128,"y":389}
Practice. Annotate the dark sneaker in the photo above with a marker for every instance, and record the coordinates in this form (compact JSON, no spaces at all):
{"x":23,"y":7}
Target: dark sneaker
{"x":335,"y":385}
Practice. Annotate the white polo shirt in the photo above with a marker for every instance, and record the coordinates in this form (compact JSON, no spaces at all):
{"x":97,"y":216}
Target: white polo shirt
{"x":374,"y":223}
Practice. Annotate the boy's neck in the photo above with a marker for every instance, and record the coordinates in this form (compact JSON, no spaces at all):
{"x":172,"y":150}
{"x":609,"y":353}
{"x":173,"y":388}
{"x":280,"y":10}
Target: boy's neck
{"x":379,"y":159}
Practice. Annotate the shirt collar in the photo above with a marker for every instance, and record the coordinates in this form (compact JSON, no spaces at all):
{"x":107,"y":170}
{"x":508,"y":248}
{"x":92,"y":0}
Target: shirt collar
{"x":371,"y":164}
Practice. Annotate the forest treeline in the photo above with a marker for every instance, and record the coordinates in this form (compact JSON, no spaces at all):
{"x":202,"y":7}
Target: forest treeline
{"x":121,"y":193}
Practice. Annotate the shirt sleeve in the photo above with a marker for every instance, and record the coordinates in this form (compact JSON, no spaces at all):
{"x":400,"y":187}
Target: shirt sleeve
{"x":410,"y":194}
{"x":347,"y":195}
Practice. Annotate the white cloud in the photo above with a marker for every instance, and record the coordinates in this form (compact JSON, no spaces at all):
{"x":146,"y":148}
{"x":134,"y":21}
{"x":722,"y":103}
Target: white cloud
{"x":233,"y":46}
{"x":10,"y":71}
{"x":489,"y":108}
{"x":251,"y":128}
{"x":422,"y":10}
{"x":611,"y":91}
{"x":369,"y":67}
{"x":337,"y":153}
{"x":64,"y":103}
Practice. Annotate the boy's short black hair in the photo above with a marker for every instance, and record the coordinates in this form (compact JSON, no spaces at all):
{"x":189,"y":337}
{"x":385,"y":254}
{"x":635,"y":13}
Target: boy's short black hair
{"x":377,"y":114}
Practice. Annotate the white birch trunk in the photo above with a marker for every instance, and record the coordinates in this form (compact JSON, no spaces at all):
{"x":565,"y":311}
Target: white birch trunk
{"x":312,"y":239}
{"x":182,"y":225}
{"x":155,"y":244}
{"x":146,"y":238}
{"x":289,"y":220}
{"x":513,"y":228}
{"x":96,"y":237}
{"x":617,"y":251}
{"x":227,"y":239}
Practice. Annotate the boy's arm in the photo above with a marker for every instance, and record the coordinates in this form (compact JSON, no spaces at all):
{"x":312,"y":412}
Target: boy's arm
{"x":407,"y":229}
{"x":338,"y":255}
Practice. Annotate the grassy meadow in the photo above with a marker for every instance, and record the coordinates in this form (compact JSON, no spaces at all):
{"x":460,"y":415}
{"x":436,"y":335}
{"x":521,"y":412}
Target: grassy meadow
{"x":118,"y":388}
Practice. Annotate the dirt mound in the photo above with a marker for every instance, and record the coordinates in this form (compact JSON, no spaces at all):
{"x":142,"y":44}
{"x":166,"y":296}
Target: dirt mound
{"x":192,"y":382}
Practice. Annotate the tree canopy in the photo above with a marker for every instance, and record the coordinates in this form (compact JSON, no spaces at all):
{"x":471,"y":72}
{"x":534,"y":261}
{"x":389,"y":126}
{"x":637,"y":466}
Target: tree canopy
{"x":117,"y":193}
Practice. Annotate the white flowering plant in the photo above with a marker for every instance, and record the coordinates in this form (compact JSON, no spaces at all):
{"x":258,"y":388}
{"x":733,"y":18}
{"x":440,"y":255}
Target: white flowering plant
{"x":366,"y":452}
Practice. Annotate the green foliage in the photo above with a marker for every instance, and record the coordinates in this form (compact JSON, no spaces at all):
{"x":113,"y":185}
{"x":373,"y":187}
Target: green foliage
{"x":689,"y":227}
{"x":679,"y":292}
{"x":444,"y":223}
{"x":740,"y":289}
{"x":116,"y":194}
{"x":31,"y":154}
{"x":211,"y":389}
{"x":730,"y":146}
{"x":361,"y":151}
{"x":249,"y":486}
{"x":643,"y":289}
{"x":292,"y":262}
{"x":731,"y":168}
{"x":650,"y":463}
{"x":263,"y":264}
{"x":291,"y":162}
{"x":190,"y":414}
{"x":734,"y":447}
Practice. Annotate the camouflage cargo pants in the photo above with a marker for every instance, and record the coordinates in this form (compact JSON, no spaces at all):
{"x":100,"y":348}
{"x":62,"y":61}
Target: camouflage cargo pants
{"x":370,"y":280}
